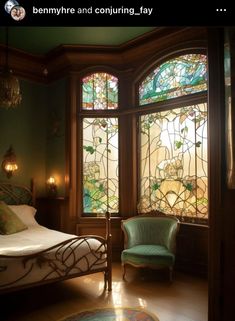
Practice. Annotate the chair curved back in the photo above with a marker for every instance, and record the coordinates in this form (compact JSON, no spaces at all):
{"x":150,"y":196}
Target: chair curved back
{"x":158,"y":230}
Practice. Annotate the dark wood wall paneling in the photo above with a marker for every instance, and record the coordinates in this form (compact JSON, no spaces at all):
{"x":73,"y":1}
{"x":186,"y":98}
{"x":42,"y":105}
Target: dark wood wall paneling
{"x":227,"y":259}
{"x":50,"y":212}
{"x":192,"y":249}
{"x":216,"y":149}
{"x":222,"y":200}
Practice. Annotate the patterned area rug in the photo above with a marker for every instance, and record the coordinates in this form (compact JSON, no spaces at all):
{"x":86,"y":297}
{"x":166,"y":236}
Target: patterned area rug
{"x":113,"y":314}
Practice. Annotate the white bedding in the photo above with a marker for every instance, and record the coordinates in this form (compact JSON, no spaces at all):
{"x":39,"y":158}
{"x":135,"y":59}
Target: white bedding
{"x":89,"y":255}
{"x":32,"y":240}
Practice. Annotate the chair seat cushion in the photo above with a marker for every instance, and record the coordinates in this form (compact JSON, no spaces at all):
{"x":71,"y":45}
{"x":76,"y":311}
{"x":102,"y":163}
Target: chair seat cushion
{"x":149,"y":255}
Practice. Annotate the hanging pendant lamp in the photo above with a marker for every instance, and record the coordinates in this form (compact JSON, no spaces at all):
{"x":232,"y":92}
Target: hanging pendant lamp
{"x":10,"y":94}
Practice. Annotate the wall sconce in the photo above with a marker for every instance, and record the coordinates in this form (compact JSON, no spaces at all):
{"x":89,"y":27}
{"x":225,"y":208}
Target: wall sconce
{"x":9,"y":164}
{"x":51,"y":187}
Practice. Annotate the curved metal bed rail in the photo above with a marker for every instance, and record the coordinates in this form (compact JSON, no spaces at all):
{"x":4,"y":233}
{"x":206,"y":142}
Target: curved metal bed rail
{"x":61,"y":261}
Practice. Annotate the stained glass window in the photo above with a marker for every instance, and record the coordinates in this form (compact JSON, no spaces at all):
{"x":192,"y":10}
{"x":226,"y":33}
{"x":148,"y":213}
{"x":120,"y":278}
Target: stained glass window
{"x":100,"y":165}
{"x":179,"y":76}
{"x":173,"y":162}
{"x":99,"y":91}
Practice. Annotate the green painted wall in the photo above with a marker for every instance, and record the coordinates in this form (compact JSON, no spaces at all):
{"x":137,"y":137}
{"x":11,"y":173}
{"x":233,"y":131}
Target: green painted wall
{"x":55,"y":142}
{"x":25,"y":128}
{"x":36,"y":130}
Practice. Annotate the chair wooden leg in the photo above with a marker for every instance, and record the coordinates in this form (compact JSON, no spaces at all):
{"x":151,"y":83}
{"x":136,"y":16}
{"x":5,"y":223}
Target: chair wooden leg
{"x":105,"y":280}
{"x":123,"y":271}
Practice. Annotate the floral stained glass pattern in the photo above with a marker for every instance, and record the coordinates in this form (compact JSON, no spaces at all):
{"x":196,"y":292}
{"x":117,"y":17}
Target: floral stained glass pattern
{"x":100,"y":165}
{"x":179,"y":76}
{"x":173,"y":164}
{"x":100,"y":91}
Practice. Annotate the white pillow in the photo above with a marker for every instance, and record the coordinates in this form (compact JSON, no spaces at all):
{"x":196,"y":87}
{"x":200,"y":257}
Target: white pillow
{"x":26,"y":213}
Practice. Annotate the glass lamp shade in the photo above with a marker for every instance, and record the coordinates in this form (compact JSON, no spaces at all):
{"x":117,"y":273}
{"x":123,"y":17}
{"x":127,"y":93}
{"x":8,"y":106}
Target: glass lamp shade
{"x":9,"y":168}
{"x":10,"y":95}
{"x":51,"y":187}
{"x":9,"y":164}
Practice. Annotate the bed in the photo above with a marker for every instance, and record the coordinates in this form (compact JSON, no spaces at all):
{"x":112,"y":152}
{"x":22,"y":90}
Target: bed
{"x":36,"y":255}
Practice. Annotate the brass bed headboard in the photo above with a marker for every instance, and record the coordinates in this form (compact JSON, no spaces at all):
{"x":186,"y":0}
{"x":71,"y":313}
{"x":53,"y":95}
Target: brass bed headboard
{"x":13,"y":194}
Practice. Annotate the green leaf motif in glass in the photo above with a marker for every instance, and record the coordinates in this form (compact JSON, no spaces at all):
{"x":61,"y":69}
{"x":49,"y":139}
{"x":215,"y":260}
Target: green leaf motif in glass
{"x":174,"y":162}
{"x":100,"y":166}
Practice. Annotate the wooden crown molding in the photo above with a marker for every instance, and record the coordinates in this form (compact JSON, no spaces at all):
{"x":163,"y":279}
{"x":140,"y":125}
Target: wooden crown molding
{"x":23,"y":64}
{"x":128,"y":56}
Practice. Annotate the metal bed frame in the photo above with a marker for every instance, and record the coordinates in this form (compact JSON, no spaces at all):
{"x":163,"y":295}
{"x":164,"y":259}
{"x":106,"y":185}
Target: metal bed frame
{"x":61,"y":258}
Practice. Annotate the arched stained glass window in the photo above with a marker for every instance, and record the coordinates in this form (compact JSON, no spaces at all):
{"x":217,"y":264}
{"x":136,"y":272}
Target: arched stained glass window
{"x":183,"y":75}
{"x":100,"y":92}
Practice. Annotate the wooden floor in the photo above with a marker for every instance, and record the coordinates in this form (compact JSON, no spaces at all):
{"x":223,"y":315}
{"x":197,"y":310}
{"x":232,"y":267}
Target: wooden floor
{"x":183,"y":300}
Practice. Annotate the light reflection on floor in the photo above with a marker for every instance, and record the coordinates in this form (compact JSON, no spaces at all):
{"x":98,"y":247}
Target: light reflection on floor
{"x":116,"y":297}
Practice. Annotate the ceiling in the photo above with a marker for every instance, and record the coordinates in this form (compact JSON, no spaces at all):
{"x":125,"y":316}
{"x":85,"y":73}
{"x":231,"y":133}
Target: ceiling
{"x":40,"y":40}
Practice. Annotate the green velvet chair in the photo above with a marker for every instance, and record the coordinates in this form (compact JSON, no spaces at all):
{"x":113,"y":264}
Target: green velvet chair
{"x":149,"y":241}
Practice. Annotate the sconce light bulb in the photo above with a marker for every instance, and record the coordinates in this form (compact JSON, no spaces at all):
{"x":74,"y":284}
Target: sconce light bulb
{"x":11,"y":167}
{"x":51,"y":180}
{"x":51,"y":187}
{"x":9,"y":164}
